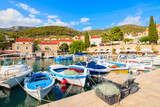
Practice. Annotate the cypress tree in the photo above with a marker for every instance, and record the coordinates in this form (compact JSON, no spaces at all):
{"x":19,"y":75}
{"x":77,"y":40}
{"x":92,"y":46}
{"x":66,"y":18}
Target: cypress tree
{"x":86,"y":40}
{"x":153,"y":33}
{"x":156,"y":34}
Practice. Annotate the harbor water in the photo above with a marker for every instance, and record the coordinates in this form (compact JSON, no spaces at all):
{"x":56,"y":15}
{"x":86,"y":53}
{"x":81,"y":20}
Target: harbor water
{"x":17,"y":97}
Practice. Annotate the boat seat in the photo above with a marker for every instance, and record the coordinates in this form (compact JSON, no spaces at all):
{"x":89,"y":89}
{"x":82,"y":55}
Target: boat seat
{"x":43,"y":78}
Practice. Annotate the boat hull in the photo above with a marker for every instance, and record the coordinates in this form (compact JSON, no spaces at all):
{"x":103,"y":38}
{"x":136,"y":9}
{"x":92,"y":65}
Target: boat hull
{"x":39,"y":93}
{"x":79,"y":82}
{"x":125,"y":71}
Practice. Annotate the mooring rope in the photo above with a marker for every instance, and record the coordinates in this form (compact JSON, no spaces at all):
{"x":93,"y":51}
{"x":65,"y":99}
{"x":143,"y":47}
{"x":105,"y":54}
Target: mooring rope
{"x":70,"y":88}
{"x":28,"y":93}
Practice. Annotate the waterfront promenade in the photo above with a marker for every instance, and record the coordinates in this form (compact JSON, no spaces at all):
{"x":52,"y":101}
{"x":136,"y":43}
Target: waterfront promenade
{"x":147,"y":96}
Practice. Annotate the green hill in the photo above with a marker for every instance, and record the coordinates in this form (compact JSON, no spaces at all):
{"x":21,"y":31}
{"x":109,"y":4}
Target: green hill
{"x":124,"y":28}
{"x":46,"y":31}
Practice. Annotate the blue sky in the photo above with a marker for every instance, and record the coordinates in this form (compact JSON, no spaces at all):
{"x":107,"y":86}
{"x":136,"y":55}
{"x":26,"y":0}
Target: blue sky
{"x":78,"y":14}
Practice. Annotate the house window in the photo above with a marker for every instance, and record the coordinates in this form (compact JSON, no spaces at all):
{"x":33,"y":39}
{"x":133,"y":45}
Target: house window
{"x":26,"y":47}
{"x":17,"y":47}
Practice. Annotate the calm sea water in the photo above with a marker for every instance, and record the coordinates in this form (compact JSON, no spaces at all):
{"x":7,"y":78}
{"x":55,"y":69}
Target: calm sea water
{"x":18,"y":97}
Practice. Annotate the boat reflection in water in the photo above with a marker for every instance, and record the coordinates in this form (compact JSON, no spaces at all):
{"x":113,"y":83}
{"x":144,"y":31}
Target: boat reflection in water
{"x":12,"y":97}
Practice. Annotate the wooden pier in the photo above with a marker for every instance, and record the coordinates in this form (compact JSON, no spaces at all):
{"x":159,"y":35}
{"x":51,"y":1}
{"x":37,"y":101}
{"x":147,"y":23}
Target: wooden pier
{"x":147,"y":96}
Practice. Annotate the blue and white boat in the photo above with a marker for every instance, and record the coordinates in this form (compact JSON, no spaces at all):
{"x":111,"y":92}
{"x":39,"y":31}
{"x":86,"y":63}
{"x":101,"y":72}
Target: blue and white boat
{"x":39,"y":84}
{"x":58,"y":71}
{"x":92,"y":67}
{"x":63,"y":58}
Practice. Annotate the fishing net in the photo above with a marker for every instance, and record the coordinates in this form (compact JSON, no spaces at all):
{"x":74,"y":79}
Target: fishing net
{"x":108,"y":88}
{"x":119,"y":78}
{"x":70,"y":72}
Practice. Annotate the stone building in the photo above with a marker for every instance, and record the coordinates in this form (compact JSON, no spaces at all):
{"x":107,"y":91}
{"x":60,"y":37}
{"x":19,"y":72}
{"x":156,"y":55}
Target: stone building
{"x":24,"y":46}
{"x":48,"y":48}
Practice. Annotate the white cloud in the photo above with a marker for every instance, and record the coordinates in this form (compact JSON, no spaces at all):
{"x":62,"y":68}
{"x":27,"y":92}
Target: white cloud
{"x":11,"y":1}
{"x":82,"y":20}
{"x":139,"y":12}
{"x":32,"y":16}
{"x":87,"y":28}
{"x":27,"y":8}
{"x":11,"y":17}
{"x":131,"y":20}
{"x":112,"y":24}
{"x":56,"y":22}
{"x":52,"y":16}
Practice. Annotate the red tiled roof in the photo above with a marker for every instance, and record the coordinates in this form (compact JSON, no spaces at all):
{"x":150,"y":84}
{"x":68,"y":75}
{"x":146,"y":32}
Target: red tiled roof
{"x":79,"y":37}
{"x":49,"y":42}
{"x":94,"y":37}
{"x":8,"y":51}
{"x":24,"y":40}
{"x":135,"y":35}
{"x":66,"y":40}
{"x":146,"y":30}
{"x":157,"y":25}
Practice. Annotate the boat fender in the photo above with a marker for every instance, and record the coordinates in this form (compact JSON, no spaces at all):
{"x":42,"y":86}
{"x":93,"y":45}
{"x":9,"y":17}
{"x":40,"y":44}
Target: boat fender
{"x":63,"y":81}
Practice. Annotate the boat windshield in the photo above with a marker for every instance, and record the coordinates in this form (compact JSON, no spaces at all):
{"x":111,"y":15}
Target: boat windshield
{"x":10,"y":62}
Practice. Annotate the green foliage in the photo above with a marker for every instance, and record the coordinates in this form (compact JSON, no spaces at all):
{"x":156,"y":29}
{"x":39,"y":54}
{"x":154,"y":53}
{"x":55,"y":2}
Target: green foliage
{"x":138,"y":48}
{"x":86,"y":40}
{"x":3,"y":46}
{"x":93,"y":45}
{"x":77,"y":47}
{"x":113,"y":50}
{"x":12,"y":41}
{"x":124,"y":28}
{"x":105,"y":38}
{"x":46,"y":31}
{"x":2,"y":38}
{"x":153,"y":33}
{"x":36,"y":44}
{"x":116,"y":34}
{"x":144,"y":39}
{"x":64,"y":47}
{"x":127,"y":40}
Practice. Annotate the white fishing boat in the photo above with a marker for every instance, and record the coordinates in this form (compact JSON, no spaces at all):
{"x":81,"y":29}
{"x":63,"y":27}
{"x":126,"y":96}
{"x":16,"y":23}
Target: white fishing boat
{"x":39,"y":84}
{"x":13,"y":72}
{"x":58,"y":71}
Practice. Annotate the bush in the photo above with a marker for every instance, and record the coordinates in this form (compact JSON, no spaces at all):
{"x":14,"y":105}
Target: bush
{"x":93,"y":45}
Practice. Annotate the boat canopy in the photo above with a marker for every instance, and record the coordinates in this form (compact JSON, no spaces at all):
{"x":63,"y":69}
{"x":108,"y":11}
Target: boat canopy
{"x":92,"y":65}
{"x":80,"y":54}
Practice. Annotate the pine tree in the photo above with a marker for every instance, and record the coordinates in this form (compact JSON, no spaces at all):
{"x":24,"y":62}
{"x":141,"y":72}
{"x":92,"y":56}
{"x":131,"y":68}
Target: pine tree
{"x":153,"y":33}
{"x":86,"y":40}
